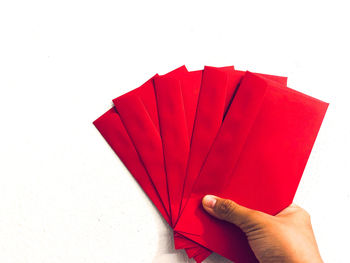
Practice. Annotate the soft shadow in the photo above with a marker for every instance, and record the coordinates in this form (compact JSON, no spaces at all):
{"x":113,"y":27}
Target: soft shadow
{"x":166,"y":251}
{"x":216,"y":258}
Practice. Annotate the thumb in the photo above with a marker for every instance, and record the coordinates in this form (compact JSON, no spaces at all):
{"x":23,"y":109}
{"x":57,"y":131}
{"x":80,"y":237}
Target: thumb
{"x":232,"y":212}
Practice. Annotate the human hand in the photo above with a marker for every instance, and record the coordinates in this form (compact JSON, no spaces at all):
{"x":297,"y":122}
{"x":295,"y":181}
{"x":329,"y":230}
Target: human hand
{"x":285,"y":238}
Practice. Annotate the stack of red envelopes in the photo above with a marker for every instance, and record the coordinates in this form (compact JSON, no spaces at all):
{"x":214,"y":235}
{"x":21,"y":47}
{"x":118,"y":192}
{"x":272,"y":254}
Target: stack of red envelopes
{"x":239,"y":135}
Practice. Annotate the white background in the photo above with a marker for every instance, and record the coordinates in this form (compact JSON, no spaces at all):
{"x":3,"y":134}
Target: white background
{"x":65,"y":196}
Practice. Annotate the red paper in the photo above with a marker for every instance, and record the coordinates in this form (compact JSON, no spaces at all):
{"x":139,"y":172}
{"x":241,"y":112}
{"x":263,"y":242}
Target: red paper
{"x":112,"y":129}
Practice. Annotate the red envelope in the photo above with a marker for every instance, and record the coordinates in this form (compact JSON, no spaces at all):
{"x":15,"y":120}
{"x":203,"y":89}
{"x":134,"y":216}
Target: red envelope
{"x":210,"y":112}
{"x":257,"y":160}
{"x":112,"y":129}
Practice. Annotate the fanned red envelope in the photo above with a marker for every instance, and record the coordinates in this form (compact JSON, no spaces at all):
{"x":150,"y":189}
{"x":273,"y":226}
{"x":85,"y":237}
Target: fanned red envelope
{"x":238,"y":135}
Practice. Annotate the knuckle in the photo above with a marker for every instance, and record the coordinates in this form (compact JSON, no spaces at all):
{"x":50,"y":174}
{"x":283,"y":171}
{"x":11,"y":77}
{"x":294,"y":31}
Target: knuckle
{"x":304,"y":215}
{"x":225,"y":208}
{"x":307,"y":215}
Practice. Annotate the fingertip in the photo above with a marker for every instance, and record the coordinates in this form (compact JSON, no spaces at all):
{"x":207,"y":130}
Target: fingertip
{"x":209,"y":201}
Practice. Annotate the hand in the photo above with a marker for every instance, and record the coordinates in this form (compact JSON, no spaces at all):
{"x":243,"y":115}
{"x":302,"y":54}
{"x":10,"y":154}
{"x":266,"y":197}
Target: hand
{"x":287,"y":237}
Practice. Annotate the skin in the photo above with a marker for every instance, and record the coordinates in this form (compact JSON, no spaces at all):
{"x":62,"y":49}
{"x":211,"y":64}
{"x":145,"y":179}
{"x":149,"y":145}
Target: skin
{"x":284,"y":238}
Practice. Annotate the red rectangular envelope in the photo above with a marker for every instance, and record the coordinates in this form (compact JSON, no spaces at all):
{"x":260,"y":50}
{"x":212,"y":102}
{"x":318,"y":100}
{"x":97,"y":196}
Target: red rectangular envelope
{"x":112,"y":129}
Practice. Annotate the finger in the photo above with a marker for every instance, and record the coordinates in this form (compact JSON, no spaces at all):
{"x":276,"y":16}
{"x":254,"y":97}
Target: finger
{"x":292,"y":208}
{"x":230,"y":211}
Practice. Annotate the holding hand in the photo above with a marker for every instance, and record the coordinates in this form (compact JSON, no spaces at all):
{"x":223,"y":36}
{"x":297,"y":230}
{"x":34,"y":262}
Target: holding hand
{"x":287,"y":237}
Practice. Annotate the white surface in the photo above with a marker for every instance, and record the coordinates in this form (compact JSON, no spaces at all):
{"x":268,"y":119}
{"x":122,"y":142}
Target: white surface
{"x":65,"y":196}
